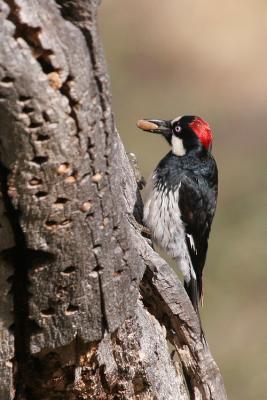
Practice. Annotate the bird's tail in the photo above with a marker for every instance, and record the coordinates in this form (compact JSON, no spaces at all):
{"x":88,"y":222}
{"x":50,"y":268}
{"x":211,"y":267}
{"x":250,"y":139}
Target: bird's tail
{"x":194,"y":291}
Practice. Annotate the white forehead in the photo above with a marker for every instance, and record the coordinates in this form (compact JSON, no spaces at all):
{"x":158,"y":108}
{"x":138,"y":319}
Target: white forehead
{"x":176,"y":119}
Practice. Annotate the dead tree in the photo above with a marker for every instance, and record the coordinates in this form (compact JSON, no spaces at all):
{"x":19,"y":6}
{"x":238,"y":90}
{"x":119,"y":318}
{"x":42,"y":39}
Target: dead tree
{"x":88,"y":309}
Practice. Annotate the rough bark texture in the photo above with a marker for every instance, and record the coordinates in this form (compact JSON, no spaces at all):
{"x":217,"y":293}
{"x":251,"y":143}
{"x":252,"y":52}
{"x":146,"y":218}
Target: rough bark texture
{"x":72,"y":323}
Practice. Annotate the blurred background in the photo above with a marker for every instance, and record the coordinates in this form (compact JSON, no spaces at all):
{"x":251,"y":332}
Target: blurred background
{"x":207,"y":58}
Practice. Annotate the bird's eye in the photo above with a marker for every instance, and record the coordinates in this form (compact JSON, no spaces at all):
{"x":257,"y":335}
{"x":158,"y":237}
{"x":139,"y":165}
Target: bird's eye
{"x":177,"y":128}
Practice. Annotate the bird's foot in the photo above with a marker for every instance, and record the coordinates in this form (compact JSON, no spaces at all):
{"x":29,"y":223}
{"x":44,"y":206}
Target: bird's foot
{"x":144,"y":230}
{"x":136,"y":170}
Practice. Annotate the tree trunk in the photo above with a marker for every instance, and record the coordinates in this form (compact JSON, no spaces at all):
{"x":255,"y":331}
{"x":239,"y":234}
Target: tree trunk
{"x":88,"y":309}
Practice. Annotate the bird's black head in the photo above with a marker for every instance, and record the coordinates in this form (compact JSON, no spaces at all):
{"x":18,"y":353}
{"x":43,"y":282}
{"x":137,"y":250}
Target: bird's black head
{"x":183,"y":133}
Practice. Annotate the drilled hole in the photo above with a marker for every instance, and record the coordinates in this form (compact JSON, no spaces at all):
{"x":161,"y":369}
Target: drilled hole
{"x":34,"y":328}
{"x":24,"y":98}
{"x":7,"y":79}
{"x":90,"y":145}
{"x":98,"y":268}
{"x":36,"y":181}
{"x":44,"y":59}
{"x":71,"y":309}
{"x":41,"y":194}
{"x":46,"y":116}
{"x":48,"y":312}
{"x":35,"y":125}
{"x":117,"y":273}
{"x":51,"y":223}
{"x":42,"y":138}
{"x":61,"y":200}
{"x":69,"y":270}
{"x":27,"y":109}
{"x":40,"y":159}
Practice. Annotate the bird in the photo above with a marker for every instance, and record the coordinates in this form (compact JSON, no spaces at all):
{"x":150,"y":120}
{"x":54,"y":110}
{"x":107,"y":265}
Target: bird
{"x":180,"y":197}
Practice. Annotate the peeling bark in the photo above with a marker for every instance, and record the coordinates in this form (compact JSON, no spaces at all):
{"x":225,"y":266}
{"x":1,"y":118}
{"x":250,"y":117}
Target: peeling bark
{"x":72,"y":259}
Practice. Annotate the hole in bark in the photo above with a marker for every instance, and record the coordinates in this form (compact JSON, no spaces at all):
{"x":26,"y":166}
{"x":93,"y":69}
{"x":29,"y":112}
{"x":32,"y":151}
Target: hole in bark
{"x":46,"y":116}
{"x":27,"y":109}
{"x":61,"y":200}
{"x":40,"y":159}
{"x":69,"y":270}
{"x":51,"y":224}
{"x":48,"y":312}
{"x":24,"y":98}
{"x":65,"y":90}
{"x":34,"y":328}
{"x":40,"y":259}
{"x":25,"y":31}
{"x":7,"y":79}
{"x":117,"y":273}
{"x":71,"y":309}
{"x":90,"y":145}
{"x":44,"y":60}
{"x":98,"y":268}
{"x":42,"y":138}
{"x":36,"y":181}
{"x":41,"y":194}
{"x":35,"y":125}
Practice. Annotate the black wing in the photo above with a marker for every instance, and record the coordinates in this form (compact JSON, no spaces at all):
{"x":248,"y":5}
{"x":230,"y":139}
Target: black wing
{"x":197,"y":202}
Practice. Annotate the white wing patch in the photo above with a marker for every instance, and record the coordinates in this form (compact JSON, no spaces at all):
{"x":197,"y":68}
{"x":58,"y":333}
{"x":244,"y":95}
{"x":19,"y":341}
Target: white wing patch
{"x":192,"y":243}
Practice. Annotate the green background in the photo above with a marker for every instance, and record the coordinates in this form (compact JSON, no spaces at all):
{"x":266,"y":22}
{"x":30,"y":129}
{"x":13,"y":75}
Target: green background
{"x":207,"y":58}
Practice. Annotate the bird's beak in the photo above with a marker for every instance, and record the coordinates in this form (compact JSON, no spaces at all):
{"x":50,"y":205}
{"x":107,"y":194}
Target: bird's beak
{"x":156,"y":126}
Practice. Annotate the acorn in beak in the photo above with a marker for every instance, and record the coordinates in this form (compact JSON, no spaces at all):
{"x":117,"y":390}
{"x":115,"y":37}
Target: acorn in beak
{"x":156,"y":126}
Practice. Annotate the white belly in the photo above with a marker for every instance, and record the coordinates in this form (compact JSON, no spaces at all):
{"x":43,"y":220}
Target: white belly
{"x":162,"y":216}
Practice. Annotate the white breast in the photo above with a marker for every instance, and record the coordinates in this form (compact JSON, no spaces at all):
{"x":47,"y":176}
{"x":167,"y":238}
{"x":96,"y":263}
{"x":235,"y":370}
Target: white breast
{"x":162,"y":216}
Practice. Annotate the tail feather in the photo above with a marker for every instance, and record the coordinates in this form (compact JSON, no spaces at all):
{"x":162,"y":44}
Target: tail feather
{"x":191,"y":288}
{"x":195,"y":296}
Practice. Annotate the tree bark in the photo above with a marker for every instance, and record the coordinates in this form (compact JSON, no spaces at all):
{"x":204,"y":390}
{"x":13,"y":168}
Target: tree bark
{"x":88,"y":309}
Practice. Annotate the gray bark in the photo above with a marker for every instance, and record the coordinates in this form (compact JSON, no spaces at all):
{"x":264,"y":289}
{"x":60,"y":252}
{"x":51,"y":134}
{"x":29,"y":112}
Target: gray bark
{"x":72,"y":259}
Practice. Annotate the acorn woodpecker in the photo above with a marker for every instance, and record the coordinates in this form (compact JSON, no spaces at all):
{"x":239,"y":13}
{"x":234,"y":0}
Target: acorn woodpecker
{"x":180,"y":197}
